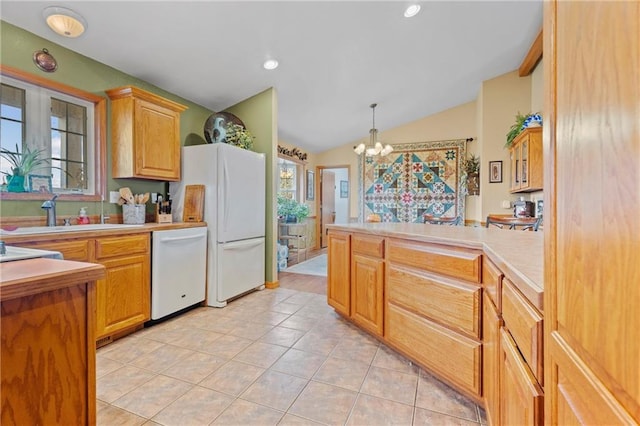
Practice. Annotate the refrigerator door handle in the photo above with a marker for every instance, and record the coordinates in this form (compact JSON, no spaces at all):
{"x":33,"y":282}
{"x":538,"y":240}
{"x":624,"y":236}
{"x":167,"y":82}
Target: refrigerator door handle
{"x":244,"y":246}
{"x":225,"y":189}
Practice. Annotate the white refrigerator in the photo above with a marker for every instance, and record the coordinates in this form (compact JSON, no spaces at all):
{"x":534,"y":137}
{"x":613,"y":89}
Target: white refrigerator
{"x":234,"y":210}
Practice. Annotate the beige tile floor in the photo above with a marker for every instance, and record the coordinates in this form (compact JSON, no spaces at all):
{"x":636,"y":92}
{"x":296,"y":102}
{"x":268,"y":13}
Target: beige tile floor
{"x":272,"y":357}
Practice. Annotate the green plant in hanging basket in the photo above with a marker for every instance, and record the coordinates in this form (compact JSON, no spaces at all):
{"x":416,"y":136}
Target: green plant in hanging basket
{"x":472,"y":165}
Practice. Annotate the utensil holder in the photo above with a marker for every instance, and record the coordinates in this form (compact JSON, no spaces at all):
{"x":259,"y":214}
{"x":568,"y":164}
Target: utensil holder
{"x":133,"y":214}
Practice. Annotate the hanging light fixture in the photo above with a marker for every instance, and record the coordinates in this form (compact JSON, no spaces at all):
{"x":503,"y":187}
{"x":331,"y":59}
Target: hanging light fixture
{"x":64,"y":21}
{"x":375,"y":147}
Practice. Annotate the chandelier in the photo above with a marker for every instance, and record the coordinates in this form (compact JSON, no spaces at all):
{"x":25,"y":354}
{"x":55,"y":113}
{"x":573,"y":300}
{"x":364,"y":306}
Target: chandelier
{"x":375,"y":147}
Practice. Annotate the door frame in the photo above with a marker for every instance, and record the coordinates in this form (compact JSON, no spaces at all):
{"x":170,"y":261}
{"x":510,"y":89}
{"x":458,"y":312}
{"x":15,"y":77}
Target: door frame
{"x":318,"y":192}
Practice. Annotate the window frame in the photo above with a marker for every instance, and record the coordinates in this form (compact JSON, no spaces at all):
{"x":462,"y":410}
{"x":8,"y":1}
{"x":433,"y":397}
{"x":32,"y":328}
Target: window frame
{"x":300,"y":166}
{"x":99,"y":132}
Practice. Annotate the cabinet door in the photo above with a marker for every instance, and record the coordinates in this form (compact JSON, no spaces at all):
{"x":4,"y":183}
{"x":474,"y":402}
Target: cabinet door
{"x":123,"y":297}
{"x":491,"y":324}
{"x":339,"y":272}
{"x":367,"y":275}
{"x":157,"y":141}
{"x":521,"y":396}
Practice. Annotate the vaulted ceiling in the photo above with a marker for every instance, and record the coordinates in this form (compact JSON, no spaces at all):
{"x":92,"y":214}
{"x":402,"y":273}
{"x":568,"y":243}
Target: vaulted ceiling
{"x":336,"y":57}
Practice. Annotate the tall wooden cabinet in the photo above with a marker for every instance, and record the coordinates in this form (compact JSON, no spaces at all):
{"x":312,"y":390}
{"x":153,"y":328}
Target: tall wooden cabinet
{"x":592,"y":200}
{"x":367,"y":281}
{"x":526,"y":161}
{"x":145,"y":135}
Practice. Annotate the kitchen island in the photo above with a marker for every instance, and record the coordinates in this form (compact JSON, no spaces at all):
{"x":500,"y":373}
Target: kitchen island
{"x":47,"y":364}
{"x":464,"y":303}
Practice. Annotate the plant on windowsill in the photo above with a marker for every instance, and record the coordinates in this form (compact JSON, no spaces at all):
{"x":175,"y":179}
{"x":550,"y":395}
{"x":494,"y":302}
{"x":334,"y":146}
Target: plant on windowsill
{"x":21,"y":164}
{"x":290,"y":210}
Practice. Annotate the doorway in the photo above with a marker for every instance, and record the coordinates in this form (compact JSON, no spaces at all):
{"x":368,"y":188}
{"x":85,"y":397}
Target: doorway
{"x":333,"y":204}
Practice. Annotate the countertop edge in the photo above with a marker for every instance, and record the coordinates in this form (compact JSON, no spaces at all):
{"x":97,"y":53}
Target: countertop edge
{"x":33,"y":276}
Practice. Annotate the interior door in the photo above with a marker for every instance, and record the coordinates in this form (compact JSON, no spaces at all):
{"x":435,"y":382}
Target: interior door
{"x":327,"y":204}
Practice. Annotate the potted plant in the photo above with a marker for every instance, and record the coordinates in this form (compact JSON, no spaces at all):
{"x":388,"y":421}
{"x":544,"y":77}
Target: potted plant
{"x":472,"y":169}
{"x":239,"y":136}
{"x":521,"y":123}
{"x":290,"y":210}
{"x":21,"y":163}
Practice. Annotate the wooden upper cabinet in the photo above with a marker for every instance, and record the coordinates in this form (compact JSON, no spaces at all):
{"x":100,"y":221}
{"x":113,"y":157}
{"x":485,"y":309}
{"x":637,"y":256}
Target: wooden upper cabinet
{"x":145,"y":135}
{"x":526,"y":161}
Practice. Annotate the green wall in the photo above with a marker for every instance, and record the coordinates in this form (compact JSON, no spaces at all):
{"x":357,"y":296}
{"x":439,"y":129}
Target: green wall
{"x":16,"y":50}
{"x":259,"y":115}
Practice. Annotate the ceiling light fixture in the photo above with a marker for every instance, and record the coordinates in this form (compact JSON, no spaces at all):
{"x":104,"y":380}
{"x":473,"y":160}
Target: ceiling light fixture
{"x":270,"y":64}
{"x":375,"y":147}
{"x":411,"y":11}
{"x":64,"y":21}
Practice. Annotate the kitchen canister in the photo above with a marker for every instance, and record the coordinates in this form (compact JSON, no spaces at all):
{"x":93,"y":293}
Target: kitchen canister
{"x":133,"y":214}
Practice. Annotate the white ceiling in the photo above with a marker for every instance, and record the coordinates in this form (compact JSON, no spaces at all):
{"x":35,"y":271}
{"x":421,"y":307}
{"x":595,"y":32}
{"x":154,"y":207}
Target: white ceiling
{"x":336,"y":57}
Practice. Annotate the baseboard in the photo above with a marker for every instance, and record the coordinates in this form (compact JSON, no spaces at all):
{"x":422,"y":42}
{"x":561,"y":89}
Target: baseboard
{"x":271,"y":285}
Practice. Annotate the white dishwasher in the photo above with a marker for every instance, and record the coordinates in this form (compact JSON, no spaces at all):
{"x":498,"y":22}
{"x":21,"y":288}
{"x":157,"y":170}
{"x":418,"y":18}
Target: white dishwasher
{"x":178,"y":270}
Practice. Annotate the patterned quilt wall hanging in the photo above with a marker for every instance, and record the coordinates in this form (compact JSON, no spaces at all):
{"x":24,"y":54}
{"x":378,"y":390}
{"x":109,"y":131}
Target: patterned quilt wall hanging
{"x":416,"y":178}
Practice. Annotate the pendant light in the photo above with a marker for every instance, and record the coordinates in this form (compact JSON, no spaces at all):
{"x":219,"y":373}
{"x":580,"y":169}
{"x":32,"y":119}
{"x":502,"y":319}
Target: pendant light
{"x":375,"y":147}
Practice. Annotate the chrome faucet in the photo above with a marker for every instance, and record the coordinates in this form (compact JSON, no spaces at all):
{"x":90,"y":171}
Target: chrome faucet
{"x":50,"y":206}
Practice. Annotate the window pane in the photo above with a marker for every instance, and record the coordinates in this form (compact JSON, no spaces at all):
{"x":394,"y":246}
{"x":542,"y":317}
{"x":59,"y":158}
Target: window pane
{"x":77,"y":117}
{"x":58,"y":114}
{"x":12,"y":104}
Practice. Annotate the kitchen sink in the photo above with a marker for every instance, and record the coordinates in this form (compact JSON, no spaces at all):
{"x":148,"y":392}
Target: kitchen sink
{"x":29,"y":230}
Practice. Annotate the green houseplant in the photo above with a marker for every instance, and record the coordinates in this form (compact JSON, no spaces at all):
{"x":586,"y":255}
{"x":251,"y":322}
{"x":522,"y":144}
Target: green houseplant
{"x":521,"y":123}
{"x":289,"y":209}
{"x":471,"y":168}
{"x":239,"y":136}
{"x":21,"y":163}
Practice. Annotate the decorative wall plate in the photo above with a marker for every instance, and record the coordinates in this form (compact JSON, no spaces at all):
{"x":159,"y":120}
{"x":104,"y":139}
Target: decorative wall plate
{"x":215,"y":128}
{"x":45,"y":61}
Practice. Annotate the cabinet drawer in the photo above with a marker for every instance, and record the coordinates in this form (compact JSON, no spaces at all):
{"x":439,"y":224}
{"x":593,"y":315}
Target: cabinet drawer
{"x":457,"y":263}
{"x":441,"y":299}
{"x":447,"y":353}
{"x":369,"y":245}
{"x":78,"y":250}
{"x":492,"y":281}
{"x":123,"y":245}
{"x":525,"y":325}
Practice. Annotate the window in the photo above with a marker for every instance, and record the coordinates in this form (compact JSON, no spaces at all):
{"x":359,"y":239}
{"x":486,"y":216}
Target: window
{"x":65,"y":124}
{"x":288,"y":179}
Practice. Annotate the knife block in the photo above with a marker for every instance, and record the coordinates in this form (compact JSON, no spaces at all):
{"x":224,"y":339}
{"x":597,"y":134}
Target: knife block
{"x":162,"y":217}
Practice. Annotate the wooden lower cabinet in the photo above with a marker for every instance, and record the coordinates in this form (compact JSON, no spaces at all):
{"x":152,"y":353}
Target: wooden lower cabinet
{"x":124,"y":295}
{"x":338,"y":271}
{"x":491,"y":324}
{"x":367,"y":303}
{"x":445,"y":352}
{"x":521,"y":397}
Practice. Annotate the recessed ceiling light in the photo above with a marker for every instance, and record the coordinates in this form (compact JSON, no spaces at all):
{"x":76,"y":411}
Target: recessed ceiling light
{"x":411,"y":11}
{"x":64,"y":21}
{"x":270,"y":64}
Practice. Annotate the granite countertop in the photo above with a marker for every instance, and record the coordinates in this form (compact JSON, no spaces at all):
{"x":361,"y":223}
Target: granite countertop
{"x":519,"y":254}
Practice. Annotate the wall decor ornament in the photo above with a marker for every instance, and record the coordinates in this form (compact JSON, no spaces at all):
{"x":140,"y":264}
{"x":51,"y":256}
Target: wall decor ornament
{"x":418,"y":178}
{"x":293,"y":153}
{"x":495,"y":171}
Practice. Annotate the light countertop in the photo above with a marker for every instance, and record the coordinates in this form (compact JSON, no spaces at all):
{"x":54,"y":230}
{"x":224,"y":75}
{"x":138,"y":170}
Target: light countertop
{"x":519,"y":254}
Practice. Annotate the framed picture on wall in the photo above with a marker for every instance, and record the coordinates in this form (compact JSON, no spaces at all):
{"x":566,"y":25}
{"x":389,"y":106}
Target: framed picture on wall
{"x":344,"y":189}
{"x":495,"y":171}
{"x":310,"y":185}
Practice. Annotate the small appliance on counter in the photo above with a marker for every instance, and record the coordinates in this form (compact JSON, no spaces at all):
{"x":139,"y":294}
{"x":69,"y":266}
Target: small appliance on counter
{"x":523,"y":208}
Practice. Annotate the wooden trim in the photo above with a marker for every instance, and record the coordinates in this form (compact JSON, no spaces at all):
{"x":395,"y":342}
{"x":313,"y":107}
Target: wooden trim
{"x":100,"y":136}
{"x":132,"y":91}
{"x":272,"y":284}
{"x":534,"y":55}
{"x":317,"y":245}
